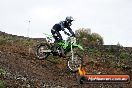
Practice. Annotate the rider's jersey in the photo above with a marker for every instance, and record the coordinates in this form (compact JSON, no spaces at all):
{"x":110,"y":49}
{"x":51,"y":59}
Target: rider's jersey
{"x":61,"y":27}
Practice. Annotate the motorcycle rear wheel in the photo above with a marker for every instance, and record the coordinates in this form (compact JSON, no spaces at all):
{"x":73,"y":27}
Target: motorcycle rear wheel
{"x":39,"y":51}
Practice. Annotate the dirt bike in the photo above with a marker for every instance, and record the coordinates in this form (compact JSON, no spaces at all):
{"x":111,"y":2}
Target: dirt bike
{"x":61,"y":49}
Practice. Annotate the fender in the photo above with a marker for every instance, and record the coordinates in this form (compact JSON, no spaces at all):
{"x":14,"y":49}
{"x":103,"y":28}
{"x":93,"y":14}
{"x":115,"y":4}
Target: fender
{"x":79,"y":46}
{"x":63,"y":44}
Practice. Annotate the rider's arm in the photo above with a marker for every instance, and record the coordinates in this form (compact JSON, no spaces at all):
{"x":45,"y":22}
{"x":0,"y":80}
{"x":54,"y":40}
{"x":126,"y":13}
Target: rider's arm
{"x":63,"y":29}
{"x":70,"y":30}
{"x":62,"y":25}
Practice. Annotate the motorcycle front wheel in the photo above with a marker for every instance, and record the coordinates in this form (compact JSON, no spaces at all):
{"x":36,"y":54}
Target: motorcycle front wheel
{"x":74,"y":62}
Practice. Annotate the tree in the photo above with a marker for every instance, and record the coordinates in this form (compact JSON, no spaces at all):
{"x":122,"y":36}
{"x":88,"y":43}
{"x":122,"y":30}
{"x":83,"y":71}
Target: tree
{"x":97,"y":39}
{"x":85,"y":37}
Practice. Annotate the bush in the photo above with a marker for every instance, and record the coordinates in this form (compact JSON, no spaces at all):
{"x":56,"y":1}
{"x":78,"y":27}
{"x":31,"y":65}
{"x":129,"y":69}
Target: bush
{"x":2,"y":84}
{"x":125,"y":55}
{"x":98,"y":40}
{"x":2,"y":72}
{"x":85,"y":37}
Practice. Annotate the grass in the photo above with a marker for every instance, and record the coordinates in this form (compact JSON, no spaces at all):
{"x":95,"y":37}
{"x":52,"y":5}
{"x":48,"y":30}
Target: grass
{"x":15,"y":39}
{"x":2,"y":84}
{"x":2,"y":72}
{"x":113,"y":57}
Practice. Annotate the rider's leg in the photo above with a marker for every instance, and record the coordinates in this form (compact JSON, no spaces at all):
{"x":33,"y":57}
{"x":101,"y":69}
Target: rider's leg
{"x":56,"y":39}
{"x":54,"y":35}
{"x":61,"y":50}
{"x":59,"y":36}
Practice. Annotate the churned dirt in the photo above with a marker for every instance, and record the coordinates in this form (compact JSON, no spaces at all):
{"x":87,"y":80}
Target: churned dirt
{"x":24,"y":70}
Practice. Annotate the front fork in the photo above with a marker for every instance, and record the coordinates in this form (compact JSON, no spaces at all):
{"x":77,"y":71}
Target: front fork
{"x":72,"y":52}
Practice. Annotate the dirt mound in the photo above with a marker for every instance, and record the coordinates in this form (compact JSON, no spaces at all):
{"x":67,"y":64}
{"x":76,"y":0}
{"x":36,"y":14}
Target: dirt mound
{"x":23,"y":70}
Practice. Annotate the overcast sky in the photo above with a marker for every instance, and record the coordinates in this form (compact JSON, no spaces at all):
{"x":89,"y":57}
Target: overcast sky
{"x":112,"y":19}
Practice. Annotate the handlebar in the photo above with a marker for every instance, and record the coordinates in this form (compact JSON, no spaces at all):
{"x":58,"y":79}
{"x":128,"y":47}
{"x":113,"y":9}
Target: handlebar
{"x":47,"y":35}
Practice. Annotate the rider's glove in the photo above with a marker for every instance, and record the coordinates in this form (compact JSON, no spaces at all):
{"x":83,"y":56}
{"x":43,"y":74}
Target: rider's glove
{"x":73,"y":35}
{"x":66,"y":33}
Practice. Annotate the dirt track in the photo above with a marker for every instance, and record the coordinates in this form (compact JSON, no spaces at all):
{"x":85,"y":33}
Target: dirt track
{"x":38,"y":71}
{"x":25,"y":71}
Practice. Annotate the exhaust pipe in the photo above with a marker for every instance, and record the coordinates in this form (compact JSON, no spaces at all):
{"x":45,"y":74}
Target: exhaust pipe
{"x":46,"y":51}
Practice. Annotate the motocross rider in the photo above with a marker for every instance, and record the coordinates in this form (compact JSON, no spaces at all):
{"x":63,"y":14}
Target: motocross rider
{"x":61,"y":27}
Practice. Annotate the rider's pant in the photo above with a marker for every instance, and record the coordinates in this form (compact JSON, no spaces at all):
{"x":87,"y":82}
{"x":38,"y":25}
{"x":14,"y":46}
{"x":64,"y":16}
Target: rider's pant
{"x":57,"y":36}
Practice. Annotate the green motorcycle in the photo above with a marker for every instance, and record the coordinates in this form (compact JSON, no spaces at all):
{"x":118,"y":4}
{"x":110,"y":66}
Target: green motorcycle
{"x":65,"y":49}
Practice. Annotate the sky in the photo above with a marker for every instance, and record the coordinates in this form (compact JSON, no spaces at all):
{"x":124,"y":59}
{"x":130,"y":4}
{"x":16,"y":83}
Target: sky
{"x":112,"y":19}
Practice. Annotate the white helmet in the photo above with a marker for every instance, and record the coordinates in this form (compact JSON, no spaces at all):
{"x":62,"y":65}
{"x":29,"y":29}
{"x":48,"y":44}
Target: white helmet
{"x":69,"y":19}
